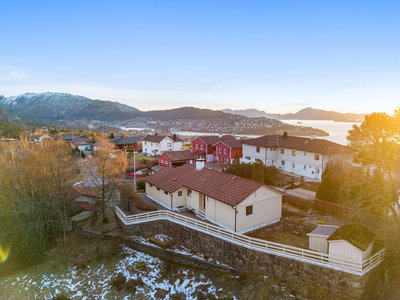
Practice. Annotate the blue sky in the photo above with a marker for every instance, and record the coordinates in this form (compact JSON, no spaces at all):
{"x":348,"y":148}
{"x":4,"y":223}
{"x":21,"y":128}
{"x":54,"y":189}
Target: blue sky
{"x":277,"y":56}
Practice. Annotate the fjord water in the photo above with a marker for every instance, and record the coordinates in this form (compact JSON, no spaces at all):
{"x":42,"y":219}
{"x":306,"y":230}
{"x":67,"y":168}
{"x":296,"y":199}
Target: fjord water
{"x":338,"y":131}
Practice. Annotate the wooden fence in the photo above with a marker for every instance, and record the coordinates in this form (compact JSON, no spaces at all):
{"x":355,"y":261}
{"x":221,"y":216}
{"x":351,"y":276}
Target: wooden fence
{"x":326,"y":260}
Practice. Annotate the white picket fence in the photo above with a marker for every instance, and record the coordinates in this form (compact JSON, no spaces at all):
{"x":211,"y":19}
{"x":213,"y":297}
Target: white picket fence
{"x":326,"y":260}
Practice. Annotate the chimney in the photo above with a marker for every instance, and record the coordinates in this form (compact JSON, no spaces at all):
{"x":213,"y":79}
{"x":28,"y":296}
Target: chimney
{"x":112,"y":135}
{"x":174,"y":137}
{"x":156,"y":133}
{"x":199,"y":164}
{"x":313,"y":136}
{"x":238,"y":138}
{"x":285,"y":135}
{"x":233,"y":177}
{"x":220,"y":135}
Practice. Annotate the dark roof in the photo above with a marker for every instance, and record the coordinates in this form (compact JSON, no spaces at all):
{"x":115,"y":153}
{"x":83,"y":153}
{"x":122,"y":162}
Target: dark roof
{"x":159,"y":138}
{"x":70,"y":137}
{"x":178,"y":156}
{"x":88,"y":206}
{"x":221,"y":186}
{"x":356,"y":234}
{"x":81,"y":141}
{"x":127,"y":140}
{"x":199,"y":152}
{"x":299,"y":143}
{"x":212,"y":139}
{"x":231,"y":143}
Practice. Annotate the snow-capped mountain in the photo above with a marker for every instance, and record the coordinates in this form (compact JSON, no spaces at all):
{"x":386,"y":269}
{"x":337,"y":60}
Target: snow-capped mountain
{"x":62,"y":106}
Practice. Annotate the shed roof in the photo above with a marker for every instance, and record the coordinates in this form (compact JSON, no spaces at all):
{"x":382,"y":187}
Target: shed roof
{"x":323,"y":230}
{"x":356,"y":234}
{"x":299,"y":143}
{"x":223,"y":187}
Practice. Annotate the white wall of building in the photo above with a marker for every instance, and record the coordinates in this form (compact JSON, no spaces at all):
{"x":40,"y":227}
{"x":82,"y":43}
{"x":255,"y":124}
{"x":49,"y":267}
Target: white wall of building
{"x":303,"y":163}
{"x":153,"y":148}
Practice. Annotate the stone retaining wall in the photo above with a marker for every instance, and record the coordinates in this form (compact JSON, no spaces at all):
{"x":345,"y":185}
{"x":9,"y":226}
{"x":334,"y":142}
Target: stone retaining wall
{"x":248,"y":260}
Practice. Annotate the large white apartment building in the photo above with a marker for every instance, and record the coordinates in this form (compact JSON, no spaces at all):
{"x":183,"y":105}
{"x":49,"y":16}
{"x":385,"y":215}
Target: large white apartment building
{"x":302,"y":156}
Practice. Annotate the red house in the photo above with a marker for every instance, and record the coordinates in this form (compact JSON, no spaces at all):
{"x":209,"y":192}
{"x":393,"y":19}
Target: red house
{"x":175,"y":158}
{"x":225,"y":151}
{"x":203,"y":146}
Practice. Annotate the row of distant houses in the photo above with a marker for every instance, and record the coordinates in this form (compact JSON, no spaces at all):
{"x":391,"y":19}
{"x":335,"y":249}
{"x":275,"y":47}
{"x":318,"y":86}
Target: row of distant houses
{"x":303,"y":156}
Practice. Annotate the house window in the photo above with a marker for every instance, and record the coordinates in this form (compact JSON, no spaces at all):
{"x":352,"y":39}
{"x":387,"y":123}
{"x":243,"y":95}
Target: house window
{"x":293,"y":153}
{"x":316,"y":156}
{"x":317,"y":171}
{"x":249,"y":210}
{"x":131,"y":145}
{"x":305,"y":154}
{"x":219,"y":150}
{"x":145,"y":149}
{"x":282,"y":162}
{"x":201,"y":147}
{"x":258,"y":149}
{"x":247,"y":157}
{"x":152,"y":144}
{"x":273,"y":148}
{"x":145,"y":143}
{"x":282,"y":151}
{"x":189,"y":192}
{"x":166,"y":162}
{"x":304,"y":168}
{"x":226,"y":160}
{"x":126,"y":146}
{"x":224,"y":151}
{"x":180,"y":194}
{"x":151,"y":185}
{"x":197,"y":146}
{"x":293,"y":165}
{"x":162,"y":161}
{"x":169,"y":145}
{"x":158,"y":189}
{"x":165,"y":192}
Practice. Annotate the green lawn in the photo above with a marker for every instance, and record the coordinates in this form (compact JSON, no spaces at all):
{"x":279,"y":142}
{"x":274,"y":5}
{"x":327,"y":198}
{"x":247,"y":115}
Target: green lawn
{"x":140,"y":157}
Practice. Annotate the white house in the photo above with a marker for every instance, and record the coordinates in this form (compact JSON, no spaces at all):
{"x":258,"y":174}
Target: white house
{"x":156,"y":144}
{"x":353,"y":241}
{"x":38,"y":140}
{"x":306,"y":157}
{"x":232,"y":202}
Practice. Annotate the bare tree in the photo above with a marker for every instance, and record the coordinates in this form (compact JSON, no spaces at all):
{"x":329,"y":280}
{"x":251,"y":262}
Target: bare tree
{"x":33,"y":180}
{"x":106,"y":168}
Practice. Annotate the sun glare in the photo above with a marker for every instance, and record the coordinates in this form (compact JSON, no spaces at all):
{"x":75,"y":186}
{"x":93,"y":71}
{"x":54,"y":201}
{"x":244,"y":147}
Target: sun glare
{"x":4,"y":252}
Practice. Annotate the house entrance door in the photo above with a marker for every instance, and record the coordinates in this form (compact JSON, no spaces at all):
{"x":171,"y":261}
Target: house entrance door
{"x":202,"y":203}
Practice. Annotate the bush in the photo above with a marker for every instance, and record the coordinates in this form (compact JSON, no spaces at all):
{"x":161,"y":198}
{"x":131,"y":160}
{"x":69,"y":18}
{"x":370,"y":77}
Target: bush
{"x":119,"y":281}
{"x":61,"y":297}
{"x":141,"y":185}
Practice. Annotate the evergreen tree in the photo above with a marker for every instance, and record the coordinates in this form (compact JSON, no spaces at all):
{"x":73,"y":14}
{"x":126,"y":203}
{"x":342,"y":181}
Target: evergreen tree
{"x":258,"y":172}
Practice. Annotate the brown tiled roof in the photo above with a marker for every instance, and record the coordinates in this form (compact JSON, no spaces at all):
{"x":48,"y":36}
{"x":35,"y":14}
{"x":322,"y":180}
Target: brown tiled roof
{"x":221,"y":186}
{"x":356,"y":234}
{"x":299,"y":143}
{"x":159,"y":138}
{"x":177,"y":156}
{"x":212,"y":139}
{"x":231,"y":143}
{"x":81,"y":141}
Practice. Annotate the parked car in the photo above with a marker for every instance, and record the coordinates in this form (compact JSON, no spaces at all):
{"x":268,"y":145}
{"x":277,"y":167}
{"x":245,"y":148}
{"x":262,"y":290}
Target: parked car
{"x":88,"y":148}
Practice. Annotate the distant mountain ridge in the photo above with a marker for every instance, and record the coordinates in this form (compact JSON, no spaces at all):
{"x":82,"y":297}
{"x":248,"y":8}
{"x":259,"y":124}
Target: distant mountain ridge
{"x":62,"y":106}
{"x":304,"y":114}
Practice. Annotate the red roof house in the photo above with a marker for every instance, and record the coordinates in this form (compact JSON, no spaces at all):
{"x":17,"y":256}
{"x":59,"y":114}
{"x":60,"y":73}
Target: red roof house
{"x":203,"y":146}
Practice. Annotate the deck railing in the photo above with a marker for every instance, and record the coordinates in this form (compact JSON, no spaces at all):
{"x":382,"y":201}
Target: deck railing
{"x":326,"y":260}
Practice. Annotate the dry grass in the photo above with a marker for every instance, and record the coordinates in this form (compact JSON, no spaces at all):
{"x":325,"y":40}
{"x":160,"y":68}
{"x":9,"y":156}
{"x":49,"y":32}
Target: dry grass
{"x":278,"y":235}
